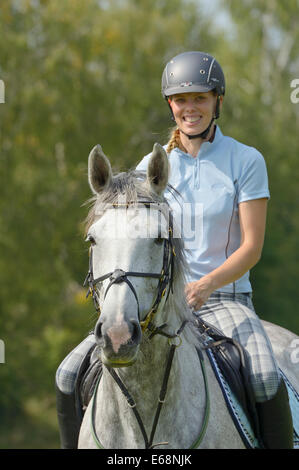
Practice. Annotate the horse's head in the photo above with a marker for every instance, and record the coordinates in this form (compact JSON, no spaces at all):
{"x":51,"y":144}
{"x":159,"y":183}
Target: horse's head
{"x":131,"y":251}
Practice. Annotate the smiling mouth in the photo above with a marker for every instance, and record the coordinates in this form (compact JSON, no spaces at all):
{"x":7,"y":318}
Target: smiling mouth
{"x":192,"y":119}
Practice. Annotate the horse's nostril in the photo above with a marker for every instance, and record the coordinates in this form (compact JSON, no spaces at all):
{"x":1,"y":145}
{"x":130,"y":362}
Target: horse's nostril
{"x":98,"y":330}
{"x":136,"y":333}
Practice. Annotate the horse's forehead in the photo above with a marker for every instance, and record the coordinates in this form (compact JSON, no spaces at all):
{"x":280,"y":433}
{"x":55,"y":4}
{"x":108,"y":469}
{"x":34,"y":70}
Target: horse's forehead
{"x":132,"y":222}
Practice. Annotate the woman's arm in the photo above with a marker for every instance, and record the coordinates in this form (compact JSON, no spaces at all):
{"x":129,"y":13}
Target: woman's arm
{"x":252,"y":216}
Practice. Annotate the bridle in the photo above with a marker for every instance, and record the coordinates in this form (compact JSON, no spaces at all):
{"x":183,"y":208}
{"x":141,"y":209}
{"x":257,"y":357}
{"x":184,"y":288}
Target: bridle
{"x":118,"y":275}
{"x":165,"y":281}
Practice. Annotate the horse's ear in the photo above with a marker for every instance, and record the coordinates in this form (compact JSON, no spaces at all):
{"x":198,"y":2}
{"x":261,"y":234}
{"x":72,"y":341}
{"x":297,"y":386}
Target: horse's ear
{"x":99,"y":170}
{"x":158,"y":169}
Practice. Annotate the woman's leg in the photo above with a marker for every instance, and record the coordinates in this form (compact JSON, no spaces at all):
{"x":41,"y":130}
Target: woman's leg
{"x":234,"y":315}
{"x":69,"y":410}
{"x":67,"y":372}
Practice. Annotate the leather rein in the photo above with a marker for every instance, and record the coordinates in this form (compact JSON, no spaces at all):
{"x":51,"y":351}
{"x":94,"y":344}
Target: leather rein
{"x":148,"y":442}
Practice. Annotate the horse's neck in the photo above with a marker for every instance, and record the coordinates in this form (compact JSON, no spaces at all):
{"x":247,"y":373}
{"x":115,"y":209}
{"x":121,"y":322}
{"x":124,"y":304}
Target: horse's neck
{"x":144,"y":379}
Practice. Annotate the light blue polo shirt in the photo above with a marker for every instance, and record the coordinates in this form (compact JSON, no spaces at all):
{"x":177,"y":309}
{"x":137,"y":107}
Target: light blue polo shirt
{"x":224,"y":173}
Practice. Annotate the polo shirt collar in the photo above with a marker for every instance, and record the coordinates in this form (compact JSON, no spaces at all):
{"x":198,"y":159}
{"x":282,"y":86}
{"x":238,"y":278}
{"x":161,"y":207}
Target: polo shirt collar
{"x":205,"y":146}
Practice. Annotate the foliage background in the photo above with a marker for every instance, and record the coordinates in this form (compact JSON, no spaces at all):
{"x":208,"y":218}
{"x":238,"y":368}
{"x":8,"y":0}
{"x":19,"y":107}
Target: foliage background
{"x":79,"y":73}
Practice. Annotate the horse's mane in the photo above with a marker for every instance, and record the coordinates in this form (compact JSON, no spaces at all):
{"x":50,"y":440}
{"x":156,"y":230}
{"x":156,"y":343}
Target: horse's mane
{"x":130,"y":188}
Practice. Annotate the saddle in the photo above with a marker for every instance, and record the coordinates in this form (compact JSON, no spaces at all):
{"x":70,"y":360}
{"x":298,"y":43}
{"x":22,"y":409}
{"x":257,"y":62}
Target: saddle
{"x":88,"y":374}
{"x":233,"y":362}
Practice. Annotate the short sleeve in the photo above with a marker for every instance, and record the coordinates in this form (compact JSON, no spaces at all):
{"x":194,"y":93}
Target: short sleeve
{"x":253,"y":181}
{"x":142,"y":165}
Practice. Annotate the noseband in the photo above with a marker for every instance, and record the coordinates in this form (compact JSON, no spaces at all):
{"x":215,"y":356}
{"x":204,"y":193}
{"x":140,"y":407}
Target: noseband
{"x":118,"y":276}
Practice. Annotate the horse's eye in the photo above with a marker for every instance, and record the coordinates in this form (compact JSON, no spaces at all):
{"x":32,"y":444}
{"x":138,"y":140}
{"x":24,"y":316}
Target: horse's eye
{"x":90,"y":239}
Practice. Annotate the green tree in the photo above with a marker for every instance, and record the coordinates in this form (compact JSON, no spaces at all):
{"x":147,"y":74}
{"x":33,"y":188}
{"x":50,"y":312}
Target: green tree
{"x":76,"y":74}
{"x":80,"y":73}
{"x":261,"y":62}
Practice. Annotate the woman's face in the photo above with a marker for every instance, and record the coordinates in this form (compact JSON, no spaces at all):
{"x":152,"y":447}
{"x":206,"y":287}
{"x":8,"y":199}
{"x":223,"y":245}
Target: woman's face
{"x":193,"y":111}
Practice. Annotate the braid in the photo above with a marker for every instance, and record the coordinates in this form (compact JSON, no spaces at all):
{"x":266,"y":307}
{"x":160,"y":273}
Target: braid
{"x":175,"y":141}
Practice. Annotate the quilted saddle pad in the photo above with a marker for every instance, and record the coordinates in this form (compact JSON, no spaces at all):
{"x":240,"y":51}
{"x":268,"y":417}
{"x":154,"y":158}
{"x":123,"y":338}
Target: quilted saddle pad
{"x":240,"y":418}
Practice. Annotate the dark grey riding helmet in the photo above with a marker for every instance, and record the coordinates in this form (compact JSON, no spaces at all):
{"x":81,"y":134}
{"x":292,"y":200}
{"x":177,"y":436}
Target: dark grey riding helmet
{"x":193,"y":71}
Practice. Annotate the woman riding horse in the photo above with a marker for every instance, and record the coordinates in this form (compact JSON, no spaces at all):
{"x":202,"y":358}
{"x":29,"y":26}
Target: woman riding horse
{"x":224,"y":185}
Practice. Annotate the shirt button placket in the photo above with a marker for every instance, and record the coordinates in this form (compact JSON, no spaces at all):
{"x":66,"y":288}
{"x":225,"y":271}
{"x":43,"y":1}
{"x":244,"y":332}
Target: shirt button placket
{"x":197,"y":173}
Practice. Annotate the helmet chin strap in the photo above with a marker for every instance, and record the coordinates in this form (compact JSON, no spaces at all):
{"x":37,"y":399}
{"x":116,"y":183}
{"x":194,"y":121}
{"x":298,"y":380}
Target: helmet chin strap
{"x":202,"y":135}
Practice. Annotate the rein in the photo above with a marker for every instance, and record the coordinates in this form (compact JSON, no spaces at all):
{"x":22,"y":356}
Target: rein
{"x":130,"y":400}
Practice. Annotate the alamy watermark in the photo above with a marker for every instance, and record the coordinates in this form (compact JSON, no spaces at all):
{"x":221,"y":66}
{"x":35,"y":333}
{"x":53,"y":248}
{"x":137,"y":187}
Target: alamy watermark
{"x":2,"y":352}
{"x":153,"y":221}
{"x":295,"y":353}
{"x":294,"y":96}
{"x":2,"y":344}
{"x":2,"y":92}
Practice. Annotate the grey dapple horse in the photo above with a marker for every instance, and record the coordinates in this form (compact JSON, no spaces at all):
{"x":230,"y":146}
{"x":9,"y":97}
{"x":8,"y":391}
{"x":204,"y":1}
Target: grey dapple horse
{"x":153,"y":390}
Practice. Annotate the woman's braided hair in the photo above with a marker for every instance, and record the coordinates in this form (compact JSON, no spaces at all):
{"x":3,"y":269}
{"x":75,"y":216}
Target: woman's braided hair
{"x":175,"y":141}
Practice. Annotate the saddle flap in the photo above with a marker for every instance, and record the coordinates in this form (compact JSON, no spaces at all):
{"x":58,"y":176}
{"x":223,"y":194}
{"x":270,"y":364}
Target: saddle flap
{"x":89,"y":379}
{"x":233,"y":362}
{"x":227,"y":355}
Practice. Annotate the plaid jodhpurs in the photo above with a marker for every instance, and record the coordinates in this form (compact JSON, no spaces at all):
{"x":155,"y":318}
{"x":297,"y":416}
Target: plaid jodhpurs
{"x":234,"y":315}
{"x":68,"y":370}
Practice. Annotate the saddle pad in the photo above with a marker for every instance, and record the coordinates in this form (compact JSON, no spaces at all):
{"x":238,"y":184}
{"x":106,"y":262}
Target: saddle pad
{"x":240,"y":418}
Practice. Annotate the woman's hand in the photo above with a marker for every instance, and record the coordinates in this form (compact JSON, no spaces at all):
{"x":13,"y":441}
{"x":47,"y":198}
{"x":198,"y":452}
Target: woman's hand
{"x":198,"y":292}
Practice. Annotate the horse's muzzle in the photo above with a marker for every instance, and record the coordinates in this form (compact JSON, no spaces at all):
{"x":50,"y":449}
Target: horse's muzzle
{"x":119,"y":341}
